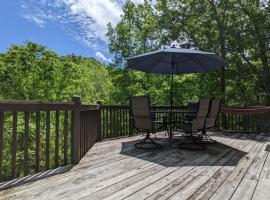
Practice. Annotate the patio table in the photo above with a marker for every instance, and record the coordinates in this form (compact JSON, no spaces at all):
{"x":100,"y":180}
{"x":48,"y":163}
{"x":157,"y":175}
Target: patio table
{"x":175,"y":116}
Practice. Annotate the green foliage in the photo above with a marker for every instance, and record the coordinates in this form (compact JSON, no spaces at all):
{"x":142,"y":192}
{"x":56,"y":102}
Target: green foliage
{"x":31,"y":72}
{"x":237,"y":31}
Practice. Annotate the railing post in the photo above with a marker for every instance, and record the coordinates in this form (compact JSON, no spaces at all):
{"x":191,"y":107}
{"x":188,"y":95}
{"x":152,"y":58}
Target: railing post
{"x":75,"y":136}
{"x":131,"y":125}
{"x":99,"y":121}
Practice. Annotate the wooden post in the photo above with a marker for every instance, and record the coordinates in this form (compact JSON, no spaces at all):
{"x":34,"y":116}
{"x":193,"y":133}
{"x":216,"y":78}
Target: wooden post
{"x":99,"y":123}
{"x":131,"y":126}
{"x":75,"y":136}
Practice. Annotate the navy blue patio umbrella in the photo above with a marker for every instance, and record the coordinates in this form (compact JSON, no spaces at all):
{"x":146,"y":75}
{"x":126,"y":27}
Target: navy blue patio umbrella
{"x":176,"y":61}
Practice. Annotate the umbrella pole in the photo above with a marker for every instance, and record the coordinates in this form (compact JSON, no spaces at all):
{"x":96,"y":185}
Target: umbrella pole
{"x":171,"y":108}
{"x":171,"y":103}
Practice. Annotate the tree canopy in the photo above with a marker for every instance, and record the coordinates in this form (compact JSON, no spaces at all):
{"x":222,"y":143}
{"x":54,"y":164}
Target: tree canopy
{"x":32,"y":72}
{"x":237,"y":31}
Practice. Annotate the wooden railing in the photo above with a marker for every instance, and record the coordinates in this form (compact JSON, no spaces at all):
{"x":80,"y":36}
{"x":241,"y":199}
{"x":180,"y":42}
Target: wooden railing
{"x":248,"y":120}
{"x":116,"y":121}
{"x":38,"y":136}
{"x":90,"y":127}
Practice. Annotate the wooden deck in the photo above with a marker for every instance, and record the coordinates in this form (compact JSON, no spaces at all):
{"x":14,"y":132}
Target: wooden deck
{"x":238,"y":167}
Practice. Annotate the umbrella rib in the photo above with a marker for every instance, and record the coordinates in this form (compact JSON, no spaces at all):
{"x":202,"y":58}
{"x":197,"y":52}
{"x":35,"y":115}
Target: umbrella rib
{"x":158,"y":62}
{"x":197,"y":63}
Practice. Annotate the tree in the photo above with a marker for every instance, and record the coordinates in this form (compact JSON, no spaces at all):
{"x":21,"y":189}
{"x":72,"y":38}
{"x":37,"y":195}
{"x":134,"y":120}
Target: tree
{"x":237,"y":31}
{"x":31,"y":72}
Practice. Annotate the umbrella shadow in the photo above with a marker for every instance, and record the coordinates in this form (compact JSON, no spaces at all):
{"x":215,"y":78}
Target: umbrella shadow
{"x":217,"y":154}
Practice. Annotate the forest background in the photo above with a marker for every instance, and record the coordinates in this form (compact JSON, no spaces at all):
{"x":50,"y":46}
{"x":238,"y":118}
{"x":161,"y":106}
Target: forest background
{"x":237,"y":31}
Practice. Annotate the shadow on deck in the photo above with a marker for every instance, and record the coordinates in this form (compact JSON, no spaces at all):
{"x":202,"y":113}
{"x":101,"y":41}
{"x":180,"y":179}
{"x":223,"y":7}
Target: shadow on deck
{"x":168,"y":154}
{"x":235,"y":167}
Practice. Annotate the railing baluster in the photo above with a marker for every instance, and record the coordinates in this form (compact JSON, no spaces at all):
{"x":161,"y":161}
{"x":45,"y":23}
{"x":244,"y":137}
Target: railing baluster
{"x":107,"y":123}
{"x":14,"y":145}
{"x":65,"y":135}
{"x":48,"y":133}
{"x":102,"y":123}
{"x":56,"y":143}
{"x":26,"y":138}
{"x":122,"y":122}
{"x":118,"y":122}
{"x":126,"y":122}
{"x":84,"y":133}
{"x":88,"y":132}
{"x":37,"y":141}
{"x":113,"y":122}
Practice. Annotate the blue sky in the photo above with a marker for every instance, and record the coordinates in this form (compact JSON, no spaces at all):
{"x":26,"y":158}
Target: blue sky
{"x":64,"y":26}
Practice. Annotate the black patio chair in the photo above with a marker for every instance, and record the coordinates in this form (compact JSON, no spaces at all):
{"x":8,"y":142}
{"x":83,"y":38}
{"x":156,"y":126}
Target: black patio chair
{"x":143,"y":121}
{"x":194,"y":128}
{"x":210,"y":122}
{"x":192,"y":108}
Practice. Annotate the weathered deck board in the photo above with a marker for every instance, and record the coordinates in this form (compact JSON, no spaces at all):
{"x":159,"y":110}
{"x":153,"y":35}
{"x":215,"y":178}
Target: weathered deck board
{"x":238,"y":168}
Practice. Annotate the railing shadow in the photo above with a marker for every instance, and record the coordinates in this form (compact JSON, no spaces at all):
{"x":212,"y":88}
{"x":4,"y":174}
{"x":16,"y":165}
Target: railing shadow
{"x":34,"y":177}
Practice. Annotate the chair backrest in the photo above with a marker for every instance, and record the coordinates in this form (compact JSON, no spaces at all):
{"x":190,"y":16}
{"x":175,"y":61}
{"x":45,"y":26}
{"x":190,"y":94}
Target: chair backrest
{"x":213,"y":113}
{"x":199,"y":122}
{"x":204,"y":105}
{"x":140,"y":111}
{"x":193,"y":106}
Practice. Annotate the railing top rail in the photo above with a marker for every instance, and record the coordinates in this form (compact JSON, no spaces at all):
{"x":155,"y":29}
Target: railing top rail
{"x":167,"y":107}
{"x":153,"y":106}
{"x":34,"y":106}
{"x":113,"y":106}
{"x":86,"y":107}
{"x":250,"y":110}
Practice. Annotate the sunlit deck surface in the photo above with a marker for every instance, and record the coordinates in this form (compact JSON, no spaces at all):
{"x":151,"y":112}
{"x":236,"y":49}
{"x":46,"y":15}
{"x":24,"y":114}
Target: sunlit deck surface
{"x":237,"y":167}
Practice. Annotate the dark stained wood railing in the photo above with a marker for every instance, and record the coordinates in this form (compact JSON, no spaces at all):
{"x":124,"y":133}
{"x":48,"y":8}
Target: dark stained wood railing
{"x":90,"y":127}
{"x":30,"y":136}
{"x":38,"y":136}
{"x":116,"y":121}
{"x":247,"y":120}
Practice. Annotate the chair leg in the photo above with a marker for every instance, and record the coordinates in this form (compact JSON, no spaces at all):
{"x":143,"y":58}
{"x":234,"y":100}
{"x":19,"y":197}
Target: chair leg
{"x":206,"y":139}
{"x":147,"y":143}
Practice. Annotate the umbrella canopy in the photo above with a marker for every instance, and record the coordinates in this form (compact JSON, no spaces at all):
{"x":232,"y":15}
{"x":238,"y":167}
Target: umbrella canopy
{"x":176,"y":61}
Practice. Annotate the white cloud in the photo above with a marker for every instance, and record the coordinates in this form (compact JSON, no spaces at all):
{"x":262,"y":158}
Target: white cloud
{"x":33,"y":18}
{"x":100,"y":13}
{"x":103,"y":57}
{"x":84,"y":20}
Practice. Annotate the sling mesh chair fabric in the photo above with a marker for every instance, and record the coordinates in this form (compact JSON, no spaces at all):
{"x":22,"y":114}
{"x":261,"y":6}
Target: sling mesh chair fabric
{"x":194,"y":128}
{"x":143,"y":121}
{"x":211,"y":119}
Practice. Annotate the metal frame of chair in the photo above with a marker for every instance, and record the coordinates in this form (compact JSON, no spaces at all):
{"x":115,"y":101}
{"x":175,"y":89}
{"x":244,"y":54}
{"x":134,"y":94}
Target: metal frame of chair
{"x":211,"y":119}
{"x":143,"y":121}
{"x":197,"y":125}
